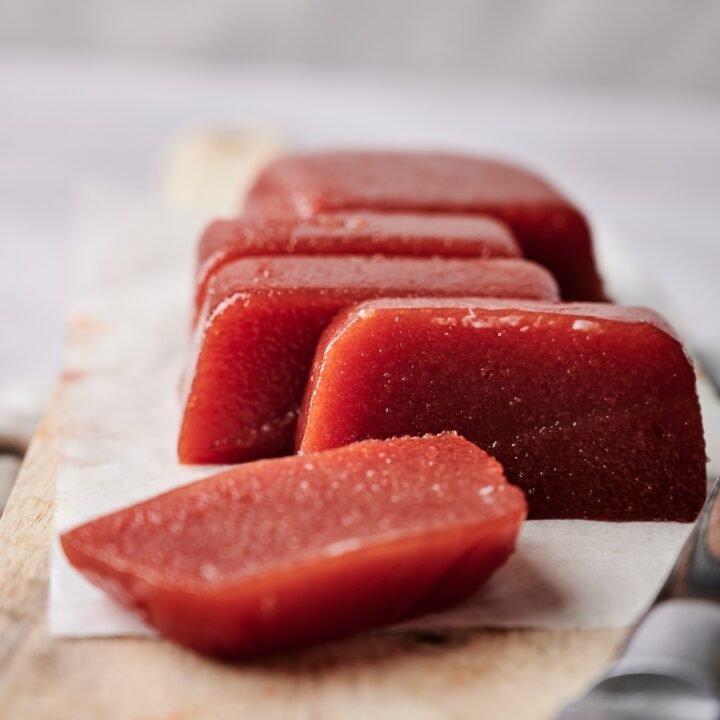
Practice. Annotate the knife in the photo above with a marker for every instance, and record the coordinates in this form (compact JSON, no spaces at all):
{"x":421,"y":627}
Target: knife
{"x":669,"y":668}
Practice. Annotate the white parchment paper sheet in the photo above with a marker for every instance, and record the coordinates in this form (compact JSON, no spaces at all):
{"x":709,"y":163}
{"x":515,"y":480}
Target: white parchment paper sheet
{"x":120,"y":412}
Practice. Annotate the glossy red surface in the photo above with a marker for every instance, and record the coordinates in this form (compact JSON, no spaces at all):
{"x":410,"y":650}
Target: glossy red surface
{"x":548,"y":227}
{"x":261,"y":323}
{"x":361,"y":233}
{"x":591,"y":408}
{"x":287,"y":552}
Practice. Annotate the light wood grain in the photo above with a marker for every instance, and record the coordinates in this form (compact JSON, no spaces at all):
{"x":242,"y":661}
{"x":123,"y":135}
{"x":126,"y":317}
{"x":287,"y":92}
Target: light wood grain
{"x":488,"y":674}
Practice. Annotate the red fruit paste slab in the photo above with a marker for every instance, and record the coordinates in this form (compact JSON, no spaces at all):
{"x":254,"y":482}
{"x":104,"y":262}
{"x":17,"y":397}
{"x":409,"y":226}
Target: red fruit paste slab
{"x":549,"y":228}
{"x":359,"y":233}
{"x":591,"y":408}
{"x":263,"y":319}
{"x":282,"y":553}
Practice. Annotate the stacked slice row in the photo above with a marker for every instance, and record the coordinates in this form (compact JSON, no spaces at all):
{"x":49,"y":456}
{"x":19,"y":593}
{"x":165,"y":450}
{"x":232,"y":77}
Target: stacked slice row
{"x":426,"y":337}
{"x":591,"y":408}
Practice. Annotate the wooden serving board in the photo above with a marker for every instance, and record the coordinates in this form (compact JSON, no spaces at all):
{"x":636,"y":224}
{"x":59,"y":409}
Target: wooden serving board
{"x":490,"y":674}
{"x":503,"y":674}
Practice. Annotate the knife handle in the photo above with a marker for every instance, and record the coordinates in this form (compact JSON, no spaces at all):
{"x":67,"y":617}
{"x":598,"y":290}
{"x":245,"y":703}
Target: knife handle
{"x":670,"y":665}
{"x":697,"y":571}
{"x":680,"y":635}
{"x":677,"y":639}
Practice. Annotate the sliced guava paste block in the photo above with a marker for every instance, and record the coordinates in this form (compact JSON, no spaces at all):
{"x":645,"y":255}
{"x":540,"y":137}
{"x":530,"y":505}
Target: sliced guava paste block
{"x":591,"y":408}
{"x":263,"y":317}
{"x":549,"y":228}
{"x":357,"y":233}
{"x":287,"y":552}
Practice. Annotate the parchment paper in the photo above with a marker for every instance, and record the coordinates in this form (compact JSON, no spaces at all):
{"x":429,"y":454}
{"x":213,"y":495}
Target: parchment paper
{"x":127,"y":339}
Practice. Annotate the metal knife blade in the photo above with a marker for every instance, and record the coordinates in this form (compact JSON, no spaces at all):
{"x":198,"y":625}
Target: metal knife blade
{"x":669,"y":668}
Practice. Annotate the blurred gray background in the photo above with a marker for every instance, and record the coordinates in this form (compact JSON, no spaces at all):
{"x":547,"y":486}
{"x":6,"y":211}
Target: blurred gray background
{"x":616,"y":100}
{"x":650,"y":45}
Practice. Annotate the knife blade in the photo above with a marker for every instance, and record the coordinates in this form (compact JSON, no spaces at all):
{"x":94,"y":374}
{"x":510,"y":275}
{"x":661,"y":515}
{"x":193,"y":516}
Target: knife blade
{"x":669,"y":668}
